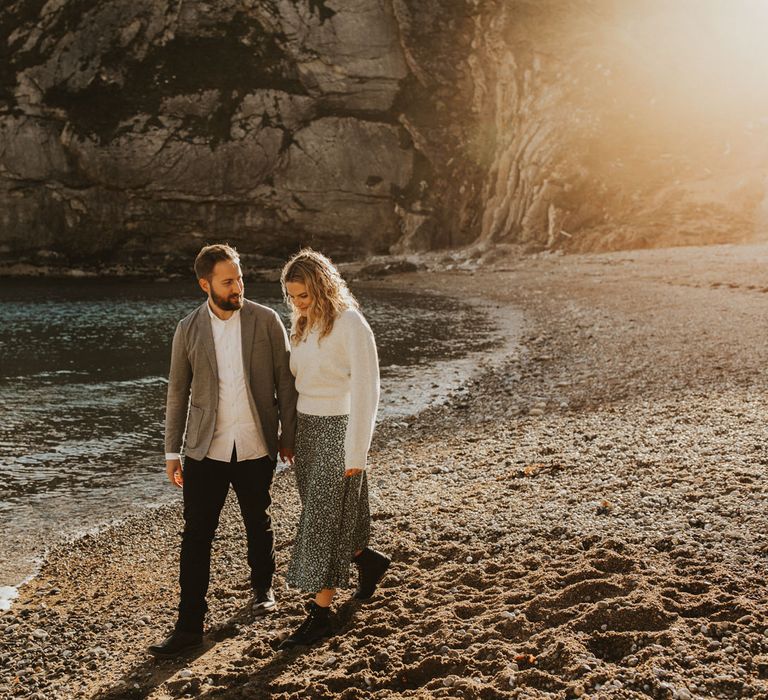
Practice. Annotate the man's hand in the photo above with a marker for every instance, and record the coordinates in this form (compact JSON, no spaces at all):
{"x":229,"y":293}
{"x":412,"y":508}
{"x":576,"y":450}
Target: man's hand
{"x":173,"y":469}
{"x":286,"y":455}
{"x":353,"y":472}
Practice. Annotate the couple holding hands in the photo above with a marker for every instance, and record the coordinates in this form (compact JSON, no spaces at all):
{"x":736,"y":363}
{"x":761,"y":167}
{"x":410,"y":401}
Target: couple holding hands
{"x":240,"y":392}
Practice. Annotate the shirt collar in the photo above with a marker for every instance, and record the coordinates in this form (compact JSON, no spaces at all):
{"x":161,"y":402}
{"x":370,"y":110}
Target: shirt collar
{"x":214,"y":317}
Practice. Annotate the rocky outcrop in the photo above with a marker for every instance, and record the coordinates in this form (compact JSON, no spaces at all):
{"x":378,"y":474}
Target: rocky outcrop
{"x":131,"y":131}
{"x":581,"y":125}
{"x":600,"y":135}
{"x":139,"y":129}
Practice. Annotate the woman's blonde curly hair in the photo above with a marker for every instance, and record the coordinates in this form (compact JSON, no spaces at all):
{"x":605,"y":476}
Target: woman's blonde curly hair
{"x":329,"y":292}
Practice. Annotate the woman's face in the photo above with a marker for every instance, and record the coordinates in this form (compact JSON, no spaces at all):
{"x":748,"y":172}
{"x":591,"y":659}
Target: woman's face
{"x":299,"y":296}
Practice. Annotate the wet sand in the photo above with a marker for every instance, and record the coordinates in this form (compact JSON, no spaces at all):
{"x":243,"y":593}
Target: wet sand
{"x":585,"y":517}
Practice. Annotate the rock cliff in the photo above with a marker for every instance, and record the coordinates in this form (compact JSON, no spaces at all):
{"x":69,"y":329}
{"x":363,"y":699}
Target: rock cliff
{"x":137,"y":128}
{"x":132,"y":131}
{"x":613,"y":124}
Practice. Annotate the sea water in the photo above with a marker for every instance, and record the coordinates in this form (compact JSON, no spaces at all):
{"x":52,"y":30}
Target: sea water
{"x":83,"y":368}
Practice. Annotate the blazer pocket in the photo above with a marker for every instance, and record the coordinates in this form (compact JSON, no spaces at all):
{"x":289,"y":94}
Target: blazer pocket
{"x":193,"y":425}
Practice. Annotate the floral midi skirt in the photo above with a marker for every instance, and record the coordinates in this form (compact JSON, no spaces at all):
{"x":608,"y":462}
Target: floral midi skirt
{"x":335,"y":519}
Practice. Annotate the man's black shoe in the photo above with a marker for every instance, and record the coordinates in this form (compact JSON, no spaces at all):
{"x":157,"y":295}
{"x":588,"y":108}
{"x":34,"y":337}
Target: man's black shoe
{"x":263,"y":601}
{"x":178,"y":643}
{"x":312,"y":630}
{"x":371,"y":567}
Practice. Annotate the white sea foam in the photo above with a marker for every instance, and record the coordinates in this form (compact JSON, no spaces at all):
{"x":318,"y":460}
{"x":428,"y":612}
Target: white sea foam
{"x":7,"y":594}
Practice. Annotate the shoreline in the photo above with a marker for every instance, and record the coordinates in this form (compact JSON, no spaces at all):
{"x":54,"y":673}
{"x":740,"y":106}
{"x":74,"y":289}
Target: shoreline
{"x":432,"y":384}
{"x":28,"y":529}
{"x":266,"y":269}
{"x":583,"y":519}
{"x":375,"y":265}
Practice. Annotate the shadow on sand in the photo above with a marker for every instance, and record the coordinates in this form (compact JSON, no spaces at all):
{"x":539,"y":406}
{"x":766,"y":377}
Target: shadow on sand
{"x":158,"y":671}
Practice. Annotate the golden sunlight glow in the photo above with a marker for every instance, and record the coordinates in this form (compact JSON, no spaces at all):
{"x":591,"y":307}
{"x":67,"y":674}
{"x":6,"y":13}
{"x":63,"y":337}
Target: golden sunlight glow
{"x":703,"y":54}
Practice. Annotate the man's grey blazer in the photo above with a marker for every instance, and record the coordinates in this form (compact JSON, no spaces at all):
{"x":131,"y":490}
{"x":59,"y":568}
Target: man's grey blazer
{"x":193,"y":381}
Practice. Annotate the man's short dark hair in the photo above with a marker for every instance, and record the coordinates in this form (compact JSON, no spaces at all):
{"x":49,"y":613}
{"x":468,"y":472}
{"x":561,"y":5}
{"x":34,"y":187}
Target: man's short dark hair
{"x":210,"y":255}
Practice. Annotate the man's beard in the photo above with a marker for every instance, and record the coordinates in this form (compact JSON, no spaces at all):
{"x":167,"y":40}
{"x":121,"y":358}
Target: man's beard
{"x":233,"y":302}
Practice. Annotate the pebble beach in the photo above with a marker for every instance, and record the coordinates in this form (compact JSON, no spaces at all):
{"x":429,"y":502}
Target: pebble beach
{"x":585,"y":516}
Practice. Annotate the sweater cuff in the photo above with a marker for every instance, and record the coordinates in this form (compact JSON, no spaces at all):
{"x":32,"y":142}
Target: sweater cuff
{"x":356,"y":460}
{"x":172,"y":455}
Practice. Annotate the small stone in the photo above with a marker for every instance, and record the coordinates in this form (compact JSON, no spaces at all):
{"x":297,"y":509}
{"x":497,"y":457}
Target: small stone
{"x":761,"y":664}
{"x":185,"y":673}
{"x":39,"y":634}
{"x":330,"y":661}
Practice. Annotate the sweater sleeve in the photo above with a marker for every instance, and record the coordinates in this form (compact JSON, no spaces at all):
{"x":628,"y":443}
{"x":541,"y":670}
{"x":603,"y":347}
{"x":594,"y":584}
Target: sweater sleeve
{"x":364,"y":389}
{"x":285,"y":389}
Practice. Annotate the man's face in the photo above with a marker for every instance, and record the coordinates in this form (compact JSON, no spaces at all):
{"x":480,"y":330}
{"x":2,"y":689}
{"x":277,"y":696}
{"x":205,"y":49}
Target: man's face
{"x":226,"y":285}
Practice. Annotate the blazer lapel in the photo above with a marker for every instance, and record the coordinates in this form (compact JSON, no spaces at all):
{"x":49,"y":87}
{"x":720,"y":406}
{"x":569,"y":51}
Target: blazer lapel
{"x":247,"y":328}
{"x":206,"y":338}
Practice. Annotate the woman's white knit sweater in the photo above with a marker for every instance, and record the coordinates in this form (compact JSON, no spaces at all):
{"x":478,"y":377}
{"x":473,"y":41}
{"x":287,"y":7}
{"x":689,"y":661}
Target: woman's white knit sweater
{"x":339,"y":375}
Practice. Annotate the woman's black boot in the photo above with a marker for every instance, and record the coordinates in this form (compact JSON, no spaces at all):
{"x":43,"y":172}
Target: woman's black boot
{"x":371,"y":567}
{"x":313,"y":629}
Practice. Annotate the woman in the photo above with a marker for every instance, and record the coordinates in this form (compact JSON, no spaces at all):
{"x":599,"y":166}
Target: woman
{"x":333,"y":357}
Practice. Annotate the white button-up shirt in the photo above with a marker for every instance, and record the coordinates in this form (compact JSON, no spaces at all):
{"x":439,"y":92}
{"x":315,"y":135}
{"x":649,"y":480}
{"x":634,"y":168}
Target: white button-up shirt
{"x":236,"y":426}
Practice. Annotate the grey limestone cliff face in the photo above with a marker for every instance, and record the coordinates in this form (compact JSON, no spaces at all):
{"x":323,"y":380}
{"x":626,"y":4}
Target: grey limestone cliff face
{"x":133,"y":131}
{"x":142,"y":128}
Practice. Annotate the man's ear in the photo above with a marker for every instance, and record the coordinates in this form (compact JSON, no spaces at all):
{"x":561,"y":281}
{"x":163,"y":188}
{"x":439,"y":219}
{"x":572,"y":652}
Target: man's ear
{"x":204,"y":285}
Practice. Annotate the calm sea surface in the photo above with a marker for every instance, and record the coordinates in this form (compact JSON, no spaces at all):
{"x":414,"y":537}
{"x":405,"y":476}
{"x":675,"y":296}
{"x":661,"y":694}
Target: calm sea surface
{"x":83,"y":368}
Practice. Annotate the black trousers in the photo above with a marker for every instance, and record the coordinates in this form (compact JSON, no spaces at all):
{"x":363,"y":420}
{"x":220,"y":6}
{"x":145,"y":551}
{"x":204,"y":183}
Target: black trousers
{"x":206,"y":484}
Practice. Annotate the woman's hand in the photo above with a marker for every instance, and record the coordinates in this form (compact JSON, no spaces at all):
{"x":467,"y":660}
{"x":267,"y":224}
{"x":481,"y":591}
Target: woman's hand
{"x":353,"y":472}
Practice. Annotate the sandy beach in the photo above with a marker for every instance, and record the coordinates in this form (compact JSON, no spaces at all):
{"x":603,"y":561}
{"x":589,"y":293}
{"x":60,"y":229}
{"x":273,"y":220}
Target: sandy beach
{"x":585,"y":517}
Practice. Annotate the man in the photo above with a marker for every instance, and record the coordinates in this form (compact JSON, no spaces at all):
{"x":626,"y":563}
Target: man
{"x":229,"y":389}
